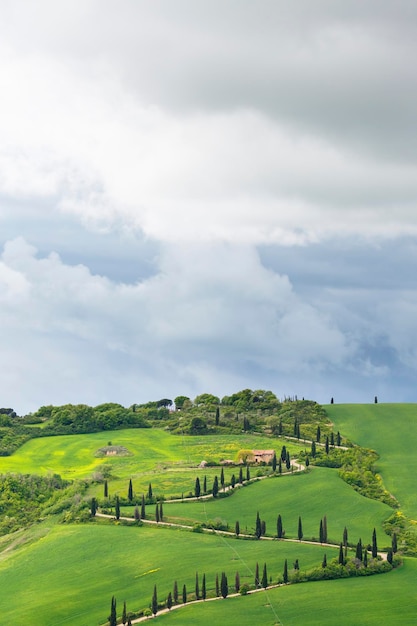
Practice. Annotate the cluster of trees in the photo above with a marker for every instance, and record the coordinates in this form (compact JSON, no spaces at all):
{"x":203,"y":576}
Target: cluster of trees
{"x":81,"y":418}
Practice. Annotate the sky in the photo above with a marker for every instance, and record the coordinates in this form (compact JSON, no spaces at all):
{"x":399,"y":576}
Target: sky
{"x":205,"y":196}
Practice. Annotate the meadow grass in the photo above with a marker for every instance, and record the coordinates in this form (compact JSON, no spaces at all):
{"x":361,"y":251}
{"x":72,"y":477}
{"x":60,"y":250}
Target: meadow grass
{"x":152,"y":450}
{"x":391,"y":430}
{"x":371,"y":601}
{"x":310,"y":495}
{"x":69,"y":575}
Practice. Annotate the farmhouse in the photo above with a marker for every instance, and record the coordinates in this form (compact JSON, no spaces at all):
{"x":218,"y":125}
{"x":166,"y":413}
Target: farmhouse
{"x":263,"y":456}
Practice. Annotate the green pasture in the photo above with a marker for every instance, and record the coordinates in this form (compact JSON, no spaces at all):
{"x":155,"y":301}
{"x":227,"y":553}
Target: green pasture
{"x":391,"y":430}
{"x":68,"y":576}
{"x":152,"y":451}
{"x":311,"y":495}
{"x":372,"y":601}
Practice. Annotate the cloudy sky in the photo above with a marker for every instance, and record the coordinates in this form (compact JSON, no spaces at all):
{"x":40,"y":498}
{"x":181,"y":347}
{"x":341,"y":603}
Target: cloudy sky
{"x":202,"y":196}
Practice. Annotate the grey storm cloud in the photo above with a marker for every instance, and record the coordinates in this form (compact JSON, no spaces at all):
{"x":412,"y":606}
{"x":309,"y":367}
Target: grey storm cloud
{"x":200,"y":196}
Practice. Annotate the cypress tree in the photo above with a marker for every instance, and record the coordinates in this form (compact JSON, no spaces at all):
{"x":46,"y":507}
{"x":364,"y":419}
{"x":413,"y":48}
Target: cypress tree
{"x":263,"y":528}
{"x":93,"y":507}
{"x":217,"y":586}
{"x":274,"y":462}
{"x":338,"y":439}
{"x":288,"y":461}
{"x":359,"y":550}
{"x":106,"y":489}
{"x":345,"y":539}
{"x":237,"y":529}
{"x":222,"y":478}
{"x":217,"y":416}
{"x":197,"y":488}
{"x":324,"y":562}
{"x":264,"y":581}
{"x":295,"y":427}
{"x":258,"y":529}
{"x":331,"y":401}
{"x":365,"y":558}
{"x":296,"y":564}
{"x":117,"y":508}
{"x":327,"y":444}
{"x":283,"y":454}
{"x":332,"y":438}
{"x":150,"y":493}
{"x":113,"y":616}
{"x":279,"y":466}
{"x":184,"y":594}
{"x":124,"y":615}
{"x":205,"y":484}
{"x":161,"y":512}
{"x":318,"y":434}
{"x":389,"y":556}
{"x":247,"y":473}
{"x":233,"y":481}
{"x":240,"y":475}
{"x":197,"y":588}
{"x":394,"y":543}
{"x":376,"y":400}
{"x":279,"y":527}
{"x":130,"y":491}
{"x":224,"y":587}
{"x":157,"y":514}
{"x":169,"y":601}
{"x":257,"y":575}
{"x":280,"y":427}
{"x":374,"y":545}
{"x":237,"y":582}
{"x":143,"y":510}
{"x":285,"y":572}
{"x":203,"y":588}
{"x":313,"y":449}
{"x":341,"y":555}
{"x":175,"y":594}
{"x":307,"y":461}
{"x":215,"y":489}
{"x":154,"y":607}
{"x":298,"y":431}
{"x":129,"y":621}
{"x":321,"y":533}
{"x":300,"y":529}
{"x":325,"y":529}
{"x":137,"y":514}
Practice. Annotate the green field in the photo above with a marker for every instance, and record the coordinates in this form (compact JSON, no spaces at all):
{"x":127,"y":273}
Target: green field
{"x":69,"y":575}
{"x":66,"y":574}
{"x":313,"y":495}
{"x":391,"y":430}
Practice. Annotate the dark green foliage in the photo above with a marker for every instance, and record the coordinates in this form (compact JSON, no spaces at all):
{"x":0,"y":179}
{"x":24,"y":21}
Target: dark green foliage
{"x":197,"y":587}
{"x":217,"y":416}
{"x":232,"y":481}
{"x":175,"y":592}
{"x":274,"y":462}
{"x":313,"y":449}
{"x":124,"y":614}
{"x":150,"y":493}
{"x":93,"y":507}
{"x":237,"y":582}
{"x":264,"y":581}
{"x":318,"y":434}
{"x":327,"y":447}
{"x":130,"y":491}
{"x":324,"y":562}
{"x":376,"y":400}
{"x":338,"y":439}
{"x":117,"y":508}
{"x":365,"y":558}
{"x":237,"y":529}
{"x":283,"y":453}
{"x":247,"y":473}
{"x":300,"y":529}
{"x":390,"y":556}
{"x":157,"y":513}
{"x":203,"y":588}
{"x":263,"y":528}
{"x":143,"y":509}
{"x":307,"y":461}
{"x":169,"y":601}
{"x":154,"y":605}
{"x":136,"y":513}
{"x":113,"y":616}
{"x":394,"y":543}
{"x":198,"y":426}
{"x":222,"y":477}
{"x":325,"y":529}
{"x":321,"y":533}
{"x":345,"y":537}
{"x":215,"y":489}
{"x":341,"y":555}
{"x":257,"y":581}
{"x":180,"y":401}
{"x":296,"y":564}
{"x":332,"y":438}
{"x":161,"y":512}
{"x":217,"y":586}
{"x":240,"y":475}
{"x":288,"y":461}
{"x":285,"y":572}
{"x":224,"y":587}
{"x":197,"y":488}
{"x":106,"y":489}
{"x":279,"y":527}
{"x":205,"y":484}
{"x":279,"y":465}
{"x":359,"y":550}
{"x":184,"y":594}
{"x":374,"y":545}
{"x":258,"y":528}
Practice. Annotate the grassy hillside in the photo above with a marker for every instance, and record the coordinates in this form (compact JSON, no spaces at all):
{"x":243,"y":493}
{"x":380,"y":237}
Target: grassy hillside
{"x":390,"y":429}
{"x":69,"y":576}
